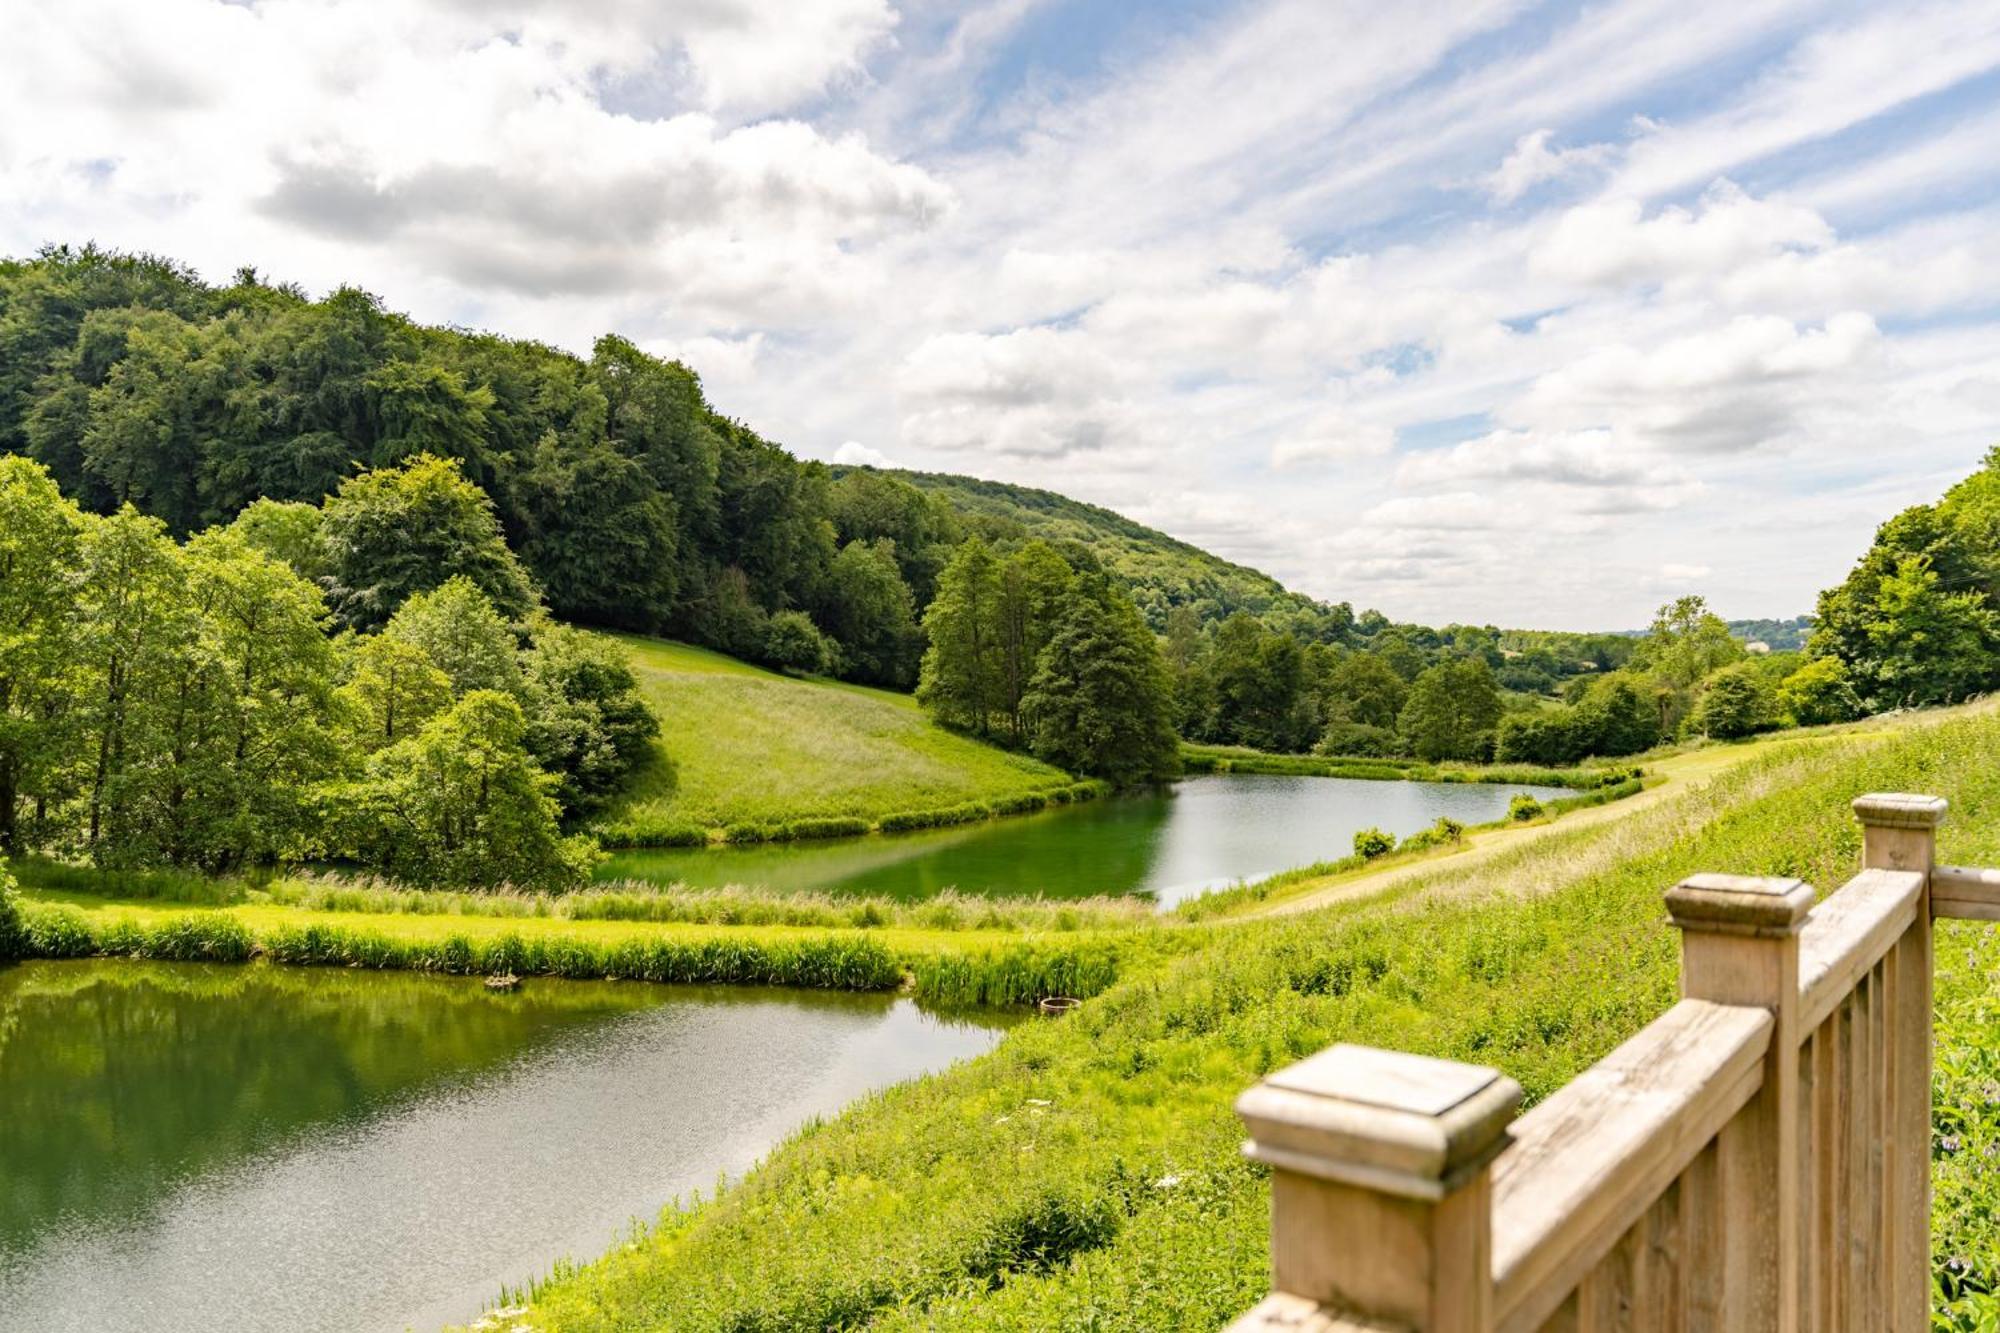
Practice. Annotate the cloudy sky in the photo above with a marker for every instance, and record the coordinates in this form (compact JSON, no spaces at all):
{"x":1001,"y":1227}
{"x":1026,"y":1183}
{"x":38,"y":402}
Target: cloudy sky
{"x":1483,"y":311}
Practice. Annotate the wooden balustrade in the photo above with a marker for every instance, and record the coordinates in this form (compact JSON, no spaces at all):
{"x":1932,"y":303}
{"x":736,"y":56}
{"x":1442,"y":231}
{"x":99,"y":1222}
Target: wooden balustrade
{"x":1756,"y":1159}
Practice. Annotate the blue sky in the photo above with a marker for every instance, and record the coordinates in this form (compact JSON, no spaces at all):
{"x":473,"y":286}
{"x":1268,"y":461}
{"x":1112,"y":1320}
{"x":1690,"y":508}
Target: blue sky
{"x":1483,"y":311}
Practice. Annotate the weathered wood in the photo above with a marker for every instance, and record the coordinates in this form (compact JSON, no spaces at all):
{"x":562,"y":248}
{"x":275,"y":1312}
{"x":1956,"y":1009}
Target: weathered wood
{"x":1282,"y":1313}
{"x":1900,"y":833}
{"x":1381,"y":1198}
{"x":1755,"y":1159}
{"x":1849,"y":933}
{"x":1740,"y":946}
{"x":1965,"y":892}
{"x":1587,"y":1163}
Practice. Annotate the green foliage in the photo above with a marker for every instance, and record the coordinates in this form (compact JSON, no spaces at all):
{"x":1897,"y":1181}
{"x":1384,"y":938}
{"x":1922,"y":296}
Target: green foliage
{"x":1617,"y":714}
{"x":793,"y":643}
{"x":871,"y":614}
{"x":13,"y":936}
{"x":1917,"y":621}
{"x":39,"y":551}
{"x":1819,"y":692}
{"x":458,"y":630}
{"x":959,"y":682}
{"x":1451,"y":712}
{"x":1966,"y":1130}
{"x":587,"y":722}
{"x":389,"y":534}
{"x":462,"y":803}
{"x":1100,"y":698}
{"x":1734,"y":702}
{"x":1370,"y":843}
{"x":1524,"y":809}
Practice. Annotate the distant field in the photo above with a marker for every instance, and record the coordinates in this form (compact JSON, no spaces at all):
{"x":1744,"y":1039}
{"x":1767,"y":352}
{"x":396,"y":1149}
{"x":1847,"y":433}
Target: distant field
{"x":743,"y":745}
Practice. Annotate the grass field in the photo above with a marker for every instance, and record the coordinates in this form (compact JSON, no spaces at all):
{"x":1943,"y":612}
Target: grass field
{"x":740,"y":745}
{"x":1086,"y":1174}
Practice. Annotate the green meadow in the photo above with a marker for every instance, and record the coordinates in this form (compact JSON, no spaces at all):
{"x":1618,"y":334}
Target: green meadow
{"x":1086,"y":1174}
{"x":740,"y":745}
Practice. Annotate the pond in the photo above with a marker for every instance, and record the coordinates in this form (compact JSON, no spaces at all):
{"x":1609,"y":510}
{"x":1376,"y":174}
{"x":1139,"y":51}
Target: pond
{"x":188,"y":1146}
{"x":1203,"y":834}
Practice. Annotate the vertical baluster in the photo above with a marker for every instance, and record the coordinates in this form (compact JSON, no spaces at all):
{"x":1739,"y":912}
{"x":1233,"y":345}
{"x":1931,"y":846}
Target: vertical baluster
{"x":1900,"y":833}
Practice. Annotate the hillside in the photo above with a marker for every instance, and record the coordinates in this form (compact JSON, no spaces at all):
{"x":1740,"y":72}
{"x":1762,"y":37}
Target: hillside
{"x":1160,"y":571}
{"x":740,"y":745}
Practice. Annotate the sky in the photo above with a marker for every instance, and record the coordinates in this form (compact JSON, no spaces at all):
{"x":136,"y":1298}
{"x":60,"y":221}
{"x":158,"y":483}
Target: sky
{"x":1490,"y":312}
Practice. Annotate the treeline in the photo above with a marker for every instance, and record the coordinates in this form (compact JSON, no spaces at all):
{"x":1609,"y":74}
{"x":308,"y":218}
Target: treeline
{"x":373,"y":680}
{"x":629,"y":501}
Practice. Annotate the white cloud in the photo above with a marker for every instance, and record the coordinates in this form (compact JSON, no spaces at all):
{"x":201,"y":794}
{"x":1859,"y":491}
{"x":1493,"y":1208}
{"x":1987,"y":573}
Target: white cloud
{"x":854,"y":452}
{"x":1679,"y":573}
{"x":1037,"y":392}
{"x":1533,"y":162}
{"x":1611,"y":243}
{"x":1332,"y":436}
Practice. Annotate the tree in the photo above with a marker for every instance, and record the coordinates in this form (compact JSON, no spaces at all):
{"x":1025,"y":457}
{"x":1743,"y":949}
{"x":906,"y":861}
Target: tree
{"x":1100,"y":699}
{"x":40,"y":533}
{"x":462,"y":635}
{"x":392,"y":689}
{"x":623,"y":566}
{"x":395,"y":532}
{"x":1451,"y":711}
{"x":587,"y":722}
{"x":871,"y":615}
{"x":1363,"y":689}
{"x":1927,"y":645}
{"x":1687,"y":642}
{"x":1734,"y":702}
{"x":1034,"y":585}
{"x":1259,"y":678}
{"x":1819,"y":692}
{"x":13,"y":934}
{"x":959,"y":679}
{"x":793,"y":643}
{"x":287,"y":530}
{"x":463,"y":805}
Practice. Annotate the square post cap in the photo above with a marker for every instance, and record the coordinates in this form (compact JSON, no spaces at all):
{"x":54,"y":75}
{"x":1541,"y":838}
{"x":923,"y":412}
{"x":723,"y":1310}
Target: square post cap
{"x":1899,"y":810}
{"x":1767,"y":906}
{"x":1400,"y":1124}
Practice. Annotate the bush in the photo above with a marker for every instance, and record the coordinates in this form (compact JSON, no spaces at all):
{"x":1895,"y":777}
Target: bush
{"x":793,"y":643}
{"x":1819,"y":692}
{"x":1357,"y":738}
{"x":1440,"y":834}
{"x":1735,"y":702}
{"x":827,"y":828}
{"x":13,"y":935}
{"x":647,"y":833}
{"x":1370,"y":843}
{"x":1524,"y":808}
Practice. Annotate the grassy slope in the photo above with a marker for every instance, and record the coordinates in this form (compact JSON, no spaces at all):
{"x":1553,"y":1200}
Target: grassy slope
{"x":743,"y":745}
{"x":1085,"y":1175}
{"x":1159,"y":570}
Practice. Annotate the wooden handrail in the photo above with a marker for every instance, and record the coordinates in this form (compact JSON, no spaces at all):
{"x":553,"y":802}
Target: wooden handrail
{"x":1591,"y":1159}
{"x":1847,"y":935}
{"x":1755,"y":1159}
{"x":1966,"y":893}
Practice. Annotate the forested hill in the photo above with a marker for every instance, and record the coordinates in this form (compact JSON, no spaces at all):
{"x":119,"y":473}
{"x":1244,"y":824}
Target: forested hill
{"x":1161,"y":572}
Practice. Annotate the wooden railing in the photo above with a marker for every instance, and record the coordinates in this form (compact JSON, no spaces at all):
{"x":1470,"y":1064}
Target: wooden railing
{"x":1756,"y":1160}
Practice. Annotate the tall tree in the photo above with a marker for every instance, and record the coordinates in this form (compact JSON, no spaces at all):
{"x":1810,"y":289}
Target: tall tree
{"x":959,"y":681}
{"x":40,"y":533}
{"x":1101,"y":701}
{"x":1034,"y":586}
{"x":1451,"y":711}
{"x":397,"y":531}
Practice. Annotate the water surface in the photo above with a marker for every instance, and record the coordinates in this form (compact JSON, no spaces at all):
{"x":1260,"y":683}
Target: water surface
{"x":1202,"y":834}
{"x":256,"y":1148}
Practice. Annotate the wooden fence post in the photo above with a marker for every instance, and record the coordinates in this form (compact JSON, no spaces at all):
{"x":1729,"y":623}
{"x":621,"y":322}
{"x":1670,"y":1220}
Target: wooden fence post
{"x":1899,"y":832}
{"x":1740,"y":945}
{"x":1381,"y":1183}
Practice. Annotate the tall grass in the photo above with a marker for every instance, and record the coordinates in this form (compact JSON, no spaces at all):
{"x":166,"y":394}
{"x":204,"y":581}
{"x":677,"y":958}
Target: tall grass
{"x":1086,"y":1174}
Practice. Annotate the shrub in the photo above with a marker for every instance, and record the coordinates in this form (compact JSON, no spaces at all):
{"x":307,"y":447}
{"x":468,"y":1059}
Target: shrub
{"x":793,"y":643}
{"x":1357,"y":738}
{"x":13,"y":935}
{"x":1370,"y":843}
{"x":827,"y":828}
{"x":647,"y":833}
{"x":1442,"y":833}
{"x":1524,"y":808}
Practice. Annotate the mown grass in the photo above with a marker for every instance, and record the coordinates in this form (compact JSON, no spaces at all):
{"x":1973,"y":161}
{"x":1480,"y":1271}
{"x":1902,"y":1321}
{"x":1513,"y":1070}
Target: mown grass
{"x":1086,"y":1176}
{"x":744,"y":747}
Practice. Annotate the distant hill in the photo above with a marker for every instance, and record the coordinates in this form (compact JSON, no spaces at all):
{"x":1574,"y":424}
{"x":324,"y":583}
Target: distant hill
{"x":1780,"y":636}
{"x":1160,"y":571}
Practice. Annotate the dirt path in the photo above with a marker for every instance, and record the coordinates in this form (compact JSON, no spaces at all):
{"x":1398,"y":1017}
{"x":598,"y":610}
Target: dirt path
{"x":1667,"y":779}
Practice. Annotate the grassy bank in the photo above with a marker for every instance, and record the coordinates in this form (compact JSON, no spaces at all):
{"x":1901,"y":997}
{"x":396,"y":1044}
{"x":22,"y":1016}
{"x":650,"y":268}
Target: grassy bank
{"x":1236,"y":759}
{"x":949,"y":954}
{"x":1086,"y":1175}
{"x":749,"y":751}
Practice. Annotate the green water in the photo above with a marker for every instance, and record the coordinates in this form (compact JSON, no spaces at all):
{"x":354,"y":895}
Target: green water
{"x":251,"y":1148}
{"x":1205,"y":833}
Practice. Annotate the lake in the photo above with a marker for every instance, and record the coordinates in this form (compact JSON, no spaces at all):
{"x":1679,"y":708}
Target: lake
{"x":256,"y":1148}
{"x":1203,"y":833}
